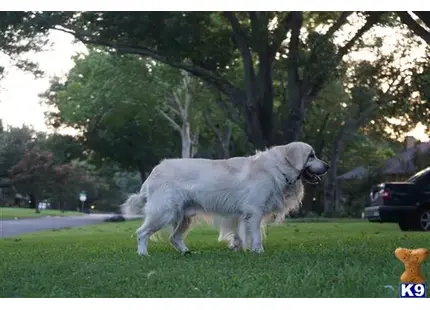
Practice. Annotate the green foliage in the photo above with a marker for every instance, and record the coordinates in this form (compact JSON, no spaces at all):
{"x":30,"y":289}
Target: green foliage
{"x":13,"y":144}
{"x":18,"y":36}
{"x":322,"y":63}
{"x":50,"y":168}
{"x":32,"y":174}
{"x":113,"y":101}
{"x":114,"y":98}
{"x":64,"y":148}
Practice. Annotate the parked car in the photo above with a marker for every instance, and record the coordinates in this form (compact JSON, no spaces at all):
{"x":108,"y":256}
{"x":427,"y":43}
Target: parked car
{"x":406,"y":203}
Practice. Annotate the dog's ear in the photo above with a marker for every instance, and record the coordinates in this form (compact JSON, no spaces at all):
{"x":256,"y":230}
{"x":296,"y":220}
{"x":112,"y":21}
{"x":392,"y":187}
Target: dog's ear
{"x":297,"y":153}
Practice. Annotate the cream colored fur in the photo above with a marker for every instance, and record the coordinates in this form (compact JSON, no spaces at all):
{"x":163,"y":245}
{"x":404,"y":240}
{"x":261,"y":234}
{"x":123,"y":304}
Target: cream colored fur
{"x":240,"y":194}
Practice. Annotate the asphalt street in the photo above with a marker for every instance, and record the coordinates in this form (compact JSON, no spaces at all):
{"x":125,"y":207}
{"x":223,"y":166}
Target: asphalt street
{"x":11,"y":228}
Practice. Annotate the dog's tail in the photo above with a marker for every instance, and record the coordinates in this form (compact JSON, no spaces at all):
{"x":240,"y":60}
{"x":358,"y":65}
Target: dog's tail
{"x":135,"y":203}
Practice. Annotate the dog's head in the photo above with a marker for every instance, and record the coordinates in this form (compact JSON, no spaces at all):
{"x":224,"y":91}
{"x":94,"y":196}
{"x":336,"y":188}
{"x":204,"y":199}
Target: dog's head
{"x":302,"y":157}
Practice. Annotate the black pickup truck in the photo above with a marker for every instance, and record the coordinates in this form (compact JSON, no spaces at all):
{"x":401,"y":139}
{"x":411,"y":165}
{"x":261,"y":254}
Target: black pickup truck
{"x":406,"y":203}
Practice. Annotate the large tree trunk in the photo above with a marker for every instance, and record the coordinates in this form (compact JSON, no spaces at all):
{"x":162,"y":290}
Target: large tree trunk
{"x":258,"y":127}
{"x":308,"y":200}
{"x":319,"y":144}
{"x":330,"y":187}
{"x":330,"y":184}
{"x":296,"y":106}
{"x":258,"y":101}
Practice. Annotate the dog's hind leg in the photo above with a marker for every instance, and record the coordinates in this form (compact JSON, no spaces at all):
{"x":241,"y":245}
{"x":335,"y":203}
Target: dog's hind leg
{"x":236,"y":243}
{"x":177,"y":236}
{"x":155,"y":220}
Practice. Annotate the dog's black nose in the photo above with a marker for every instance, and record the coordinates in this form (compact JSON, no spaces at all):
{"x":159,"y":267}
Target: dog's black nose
{"x":326,"y":166}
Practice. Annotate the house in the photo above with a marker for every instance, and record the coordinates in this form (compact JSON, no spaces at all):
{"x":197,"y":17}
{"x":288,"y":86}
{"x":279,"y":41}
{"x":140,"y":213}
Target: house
{"x":398,"y":167}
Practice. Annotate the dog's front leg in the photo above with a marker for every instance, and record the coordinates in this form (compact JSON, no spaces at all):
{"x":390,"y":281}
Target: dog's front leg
{"x":252,"y":227}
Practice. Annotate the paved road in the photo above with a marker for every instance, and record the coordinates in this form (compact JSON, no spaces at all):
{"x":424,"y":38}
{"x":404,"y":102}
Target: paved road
{"x":10,"y":228}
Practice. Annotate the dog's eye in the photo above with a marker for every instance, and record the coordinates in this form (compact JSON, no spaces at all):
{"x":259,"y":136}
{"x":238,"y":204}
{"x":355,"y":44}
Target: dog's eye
{"x":312,"y":155}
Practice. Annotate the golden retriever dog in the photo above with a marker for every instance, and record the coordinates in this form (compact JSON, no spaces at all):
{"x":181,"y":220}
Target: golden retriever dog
{"x":239,"y":192}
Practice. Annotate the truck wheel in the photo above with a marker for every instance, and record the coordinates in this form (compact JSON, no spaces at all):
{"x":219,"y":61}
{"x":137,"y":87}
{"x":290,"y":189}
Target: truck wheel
{"x":424,"y":220}
{"x":405,"y":226}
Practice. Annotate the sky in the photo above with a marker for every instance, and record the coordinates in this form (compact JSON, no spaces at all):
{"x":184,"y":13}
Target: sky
{"x":19,"y":92}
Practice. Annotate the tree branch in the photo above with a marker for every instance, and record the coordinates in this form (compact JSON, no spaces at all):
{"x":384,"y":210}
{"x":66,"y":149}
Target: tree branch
{"x":424,"y":16}
{"x":254,"y":24}
{"x":293,"y":48}
{"x":239,"y":34}
{"x":171,"y":108}
{"x":312,"y":91}
{"x":233,"y":115}
{"x":241,"y":39}
{"x":280,"y":34}
{"x":338,"y":24}
{"x":209,"y":122}
{"x":208,"y":76}
{"x":371,"y":20}
{"x":187,"y":97}
{"x":414,"y":26}
{"x":178,"y":103}
{"x":171,"y":121}
{"x":260,"y":36}
{"x":224,"y":141}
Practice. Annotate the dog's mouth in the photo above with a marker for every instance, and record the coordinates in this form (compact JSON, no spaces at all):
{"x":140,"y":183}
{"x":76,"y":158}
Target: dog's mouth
{"x":310,"y":177}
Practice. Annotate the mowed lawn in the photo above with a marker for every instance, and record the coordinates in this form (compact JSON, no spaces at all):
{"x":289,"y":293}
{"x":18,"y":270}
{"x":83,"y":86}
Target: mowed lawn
{"x":21,"y":213}
{"x":341,"y":259}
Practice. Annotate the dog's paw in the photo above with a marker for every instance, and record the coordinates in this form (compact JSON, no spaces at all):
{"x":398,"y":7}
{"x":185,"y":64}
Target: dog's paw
{"x":258,"y":250}
{"x":142,"y":252}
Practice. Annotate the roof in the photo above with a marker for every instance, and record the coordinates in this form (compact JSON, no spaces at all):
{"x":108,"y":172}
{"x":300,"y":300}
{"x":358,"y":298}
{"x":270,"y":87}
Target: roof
{"x":402,"y":163}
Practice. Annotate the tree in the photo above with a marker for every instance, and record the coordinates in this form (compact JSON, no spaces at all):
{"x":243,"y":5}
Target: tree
{"x":207,"y":44}
{"x":381,"y":90}
{"x":415,"y":23}
{"x":31,"y":174}
{"x":64,"y":148}
{"x":68,"y":180}
{"x":358,"y":108}
{"x":14,"y":142}
{"x":223,"y":133}
{"x":18,"y":37}
{"x":178,"y":106}
{"x":114,"y":101}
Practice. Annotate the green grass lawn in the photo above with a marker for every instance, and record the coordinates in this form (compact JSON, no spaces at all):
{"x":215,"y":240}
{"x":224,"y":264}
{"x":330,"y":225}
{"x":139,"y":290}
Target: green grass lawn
{"x":20,"y":213}
{"x":341,"y":259}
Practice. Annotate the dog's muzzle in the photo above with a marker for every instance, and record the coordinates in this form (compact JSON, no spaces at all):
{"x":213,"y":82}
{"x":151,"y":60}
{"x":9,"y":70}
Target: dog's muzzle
{"x":314,"y":178}
{"x":310,"y":178}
